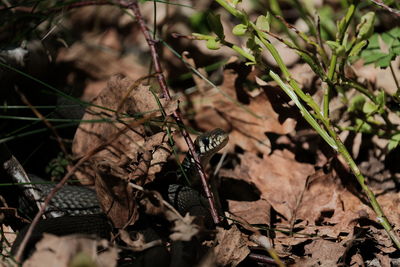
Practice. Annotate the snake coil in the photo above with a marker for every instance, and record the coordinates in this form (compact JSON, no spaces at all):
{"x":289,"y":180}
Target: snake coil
{"x":80,"y":212}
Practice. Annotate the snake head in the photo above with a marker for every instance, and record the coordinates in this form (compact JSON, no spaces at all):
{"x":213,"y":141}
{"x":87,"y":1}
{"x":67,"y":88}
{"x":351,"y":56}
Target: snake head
{"x":211,"y":142}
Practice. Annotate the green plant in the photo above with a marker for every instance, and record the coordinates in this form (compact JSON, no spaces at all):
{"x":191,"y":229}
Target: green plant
{"x":57,"y":166}
{"x":330,"y":69}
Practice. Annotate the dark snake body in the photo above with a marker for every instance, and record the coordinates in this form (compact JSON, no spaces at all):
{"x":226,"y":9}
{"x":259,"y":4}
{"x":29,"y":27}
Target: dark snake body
{"x":81,"y":213}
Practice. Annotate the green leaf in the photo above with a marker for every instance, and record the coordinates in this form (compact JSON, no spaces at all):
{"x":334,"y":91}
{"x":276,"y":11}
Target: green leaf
{"x":384,"y":62}
{"x":199,"y":36}
{"x":363,"y":126}
{"x":263,"y":22}
{"x":198,"y":22}
{"x":244,"y":53}
{"x":374,"y":42}
{"x":369,"y":107}
{"x":212,"y":44}
{"x":333,"y":45}
{"x":373,"y":53}
{"x":262,"y":25}
{"x":394,"y":141}
{"x":370,"y":58}
{"x":239,"y":29}
{"x":366,"y":26}
{"x":214,"y":21}
{"x":337,"y":48}
{"x":356,"y":103}
{"x":235,"y":2}
{"x":381,"y":98}
{"x":59,"y":169}
{"x":357,"y":48}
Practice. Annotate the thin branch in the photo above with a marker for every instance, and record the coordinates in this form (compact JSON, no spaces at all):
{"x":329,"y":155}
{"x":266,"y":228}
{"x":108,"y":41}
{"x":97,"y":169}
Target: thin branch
{"x":176,"y":114}
{"x":381,"y":4}
{"x":45,"y":121}
{"x":395,"y":79}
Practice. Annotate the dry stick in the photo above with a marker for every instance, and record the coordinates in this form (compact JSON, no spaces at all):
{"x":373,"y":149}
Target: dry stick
{"x":45,"y":121}
{"x":381,"y":4}
{"x":90,"y":154}
{"x":176,"y":114}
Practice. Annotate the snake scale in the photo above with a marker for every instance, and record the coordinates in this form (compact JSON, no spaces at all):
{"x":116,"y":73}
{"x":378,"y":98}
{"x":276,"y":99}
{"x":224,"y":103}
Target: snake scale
{"x":80,"y":211}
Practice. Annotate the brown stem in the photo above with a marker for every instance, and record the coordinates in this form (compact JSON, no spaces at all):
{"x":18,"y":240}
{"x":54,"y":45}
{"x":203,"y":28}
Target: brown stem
{"x":381,"y":4}
{"x":25,"y":100}
{"x":176,"y":114}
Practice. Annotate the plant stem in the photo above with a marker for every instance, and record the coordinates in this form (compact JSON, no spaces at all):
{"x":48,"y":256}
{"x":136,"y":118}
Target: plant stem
{"x":361,"y":89}
{"x":343,"y":25}
{"x":381,"y":218}
{"x":397,"y":94}
{"x":328,"y":134}
{"x":176,"y":114}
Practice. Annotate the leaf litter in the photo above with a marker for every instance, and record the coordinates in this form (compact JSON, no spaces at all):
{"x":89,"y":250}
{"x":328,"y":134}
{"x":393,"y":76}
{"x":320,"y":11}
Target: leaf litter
{"x":308,"y":205}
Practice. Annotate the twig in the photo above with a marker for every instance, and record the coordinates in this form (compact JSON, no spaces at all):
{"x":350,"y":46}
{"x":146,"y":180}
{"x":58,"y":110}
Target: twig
{"x":45,"y":121}
{"x":397,"y":94}
{"x":382,"y":5}
{"x":176,"y":114}
{"x":261,"y":258}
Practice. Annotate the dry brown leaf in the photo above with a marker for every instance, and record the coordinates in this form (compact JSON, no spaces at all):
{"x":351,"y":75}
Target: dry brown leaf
{"x":9,"y":235}
{"x":116,"y":198}
{"x":231,"y":248}
{"x":185,"y":229}
{"x":87,"y":15}
{"x":279,"y":177}
{"x":128,"y":148}
{"x":121,"y":94}
{"x":62,"y":251}
{"x":253,"y":212}
{"x":155,"y":153}
{"x":322,"y":253}
{"x":327,"y":202}
{"x":329,"y":210}
{"x":246,"y":130}
{"x":99,"y":63}
{"x":381,"y":77}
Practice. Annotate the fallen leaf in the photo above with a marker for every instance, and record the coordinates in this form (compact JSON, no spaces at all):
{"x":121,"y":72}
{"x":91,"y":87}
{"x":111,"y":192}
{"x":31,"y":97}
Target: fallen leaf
{"x":323,"y":253}
{"x":185,"y":229}
{"x":116,"y":198}
{"x":279,"y":177}
{"x":124,"y":95}
{"x":253,"y":212}
{"x":231,"y":248}
{"x":63,"y":251}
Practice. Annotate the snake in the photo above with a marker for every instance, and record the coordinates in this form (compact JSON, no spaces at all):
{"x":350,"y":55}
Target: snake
{"x":75,"y":209}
